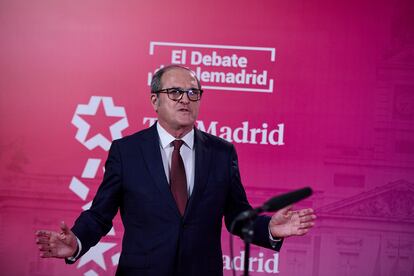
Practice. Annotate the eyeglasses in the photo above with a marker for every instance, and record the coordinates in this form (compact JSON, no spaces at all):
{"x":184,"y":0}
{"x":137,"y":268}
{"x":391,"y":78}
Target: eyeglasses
{"x":176,"y":94}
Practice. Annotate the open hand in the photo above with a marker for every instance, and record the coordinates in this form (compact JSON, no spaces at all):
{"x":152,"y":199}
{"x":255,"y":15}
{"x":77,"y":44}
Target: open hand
{"x":286,"y":222}
{"x":56,"y":245}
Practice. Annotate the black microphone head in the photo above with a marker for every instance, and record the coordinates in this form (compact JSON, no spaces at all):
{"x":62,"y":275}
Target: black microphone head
{"x":286,"y":199}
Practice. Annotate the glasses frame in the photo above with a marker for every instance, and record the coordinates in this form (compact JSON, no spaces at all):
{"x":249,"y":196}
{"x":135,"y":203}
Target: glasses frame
{"x":182,"y":91}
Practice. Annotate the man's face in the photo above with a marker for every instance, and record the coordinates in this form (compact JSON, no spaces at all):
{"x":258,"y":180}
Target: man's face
{"x":176,"y":115}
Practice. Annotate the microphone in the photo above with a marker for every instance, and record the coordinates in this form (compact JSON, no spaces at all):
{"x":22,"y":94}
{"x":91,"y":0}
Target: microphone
{"x":276,"y":203}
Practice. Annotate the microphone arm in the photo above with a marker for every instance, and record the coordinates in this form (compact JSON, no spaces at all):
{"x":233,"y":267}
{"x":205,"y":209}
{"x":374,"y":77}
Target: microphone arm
{"x":275,"y":203}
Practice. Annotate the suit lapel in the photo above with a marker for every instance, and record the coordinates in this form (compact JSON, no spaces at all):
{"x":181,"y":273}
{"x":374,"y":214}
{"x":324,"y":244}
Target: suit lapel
{"x":152,"y":156}
{"x":202,"y":168}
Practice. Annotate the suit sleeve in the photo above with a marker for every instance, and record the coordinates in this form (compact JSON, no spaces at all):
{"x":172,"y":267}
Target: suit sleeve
{"x":96,"y":222}
{"x":237,"y":202}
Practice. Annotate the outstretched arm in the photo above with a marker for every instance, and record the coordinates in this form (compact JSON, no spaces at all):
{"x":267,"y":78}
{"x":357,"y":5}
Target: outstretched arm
{"x":53,"y":244}
{"x":286,"y":222}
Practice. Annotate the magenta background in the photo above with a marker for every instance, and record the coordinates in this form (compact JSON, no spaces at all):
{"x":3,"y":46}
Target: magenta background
{"x":344,"y":88}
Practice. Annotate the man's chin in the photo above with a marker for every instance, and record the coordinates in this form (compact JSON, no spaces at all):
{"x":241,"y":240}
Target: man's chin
{"x":186,"y":123}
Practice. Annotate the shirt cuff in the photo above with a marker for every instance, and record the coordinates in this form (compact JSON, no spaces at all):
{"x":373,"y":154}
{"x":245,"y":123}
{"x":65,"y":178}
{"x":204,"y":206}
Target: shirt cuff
{"x":77,"y":252}
{"x":273,"y":241}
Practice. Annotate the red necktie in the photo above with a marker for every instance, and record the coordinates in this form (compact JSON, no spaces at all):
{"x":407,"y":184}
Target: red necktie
{"x":178,"y":179}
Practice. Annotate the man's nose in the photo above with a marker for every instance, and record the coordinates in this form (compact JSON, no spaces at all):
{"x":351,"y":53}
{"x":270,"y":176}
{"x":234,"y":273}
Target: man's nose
{"x":184,"y":98}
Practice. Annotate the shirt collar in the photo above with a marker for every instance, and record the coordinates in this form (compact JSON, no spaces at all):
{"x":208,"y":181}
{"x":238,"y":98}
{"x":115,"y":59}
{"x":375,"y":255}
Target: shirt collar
{"x":166,"y":139}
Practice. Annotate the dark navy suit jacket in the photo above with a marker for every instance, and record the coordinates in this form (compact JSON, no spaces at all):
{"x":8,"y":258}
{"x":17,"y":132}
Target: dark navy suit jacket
{"x":157,"y":240}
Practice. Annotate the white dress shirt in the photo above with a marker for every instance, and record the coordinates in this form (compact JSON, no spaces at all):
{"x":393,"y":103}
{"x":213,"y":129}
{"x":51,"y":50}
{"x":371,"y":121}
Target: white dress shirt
{"x":187,"y":152}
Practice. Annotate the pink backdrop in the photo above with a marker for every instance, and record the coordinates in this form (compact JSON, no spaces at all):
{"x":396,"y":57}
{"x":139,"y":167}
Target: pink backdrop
{"x":331,"y":107}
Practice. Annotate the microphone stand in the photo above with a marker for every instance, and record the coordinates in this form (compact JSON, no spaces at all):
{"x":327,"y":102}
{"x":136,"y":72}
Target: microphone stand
{"x":248,"y":234}
{"x":274,"y":204}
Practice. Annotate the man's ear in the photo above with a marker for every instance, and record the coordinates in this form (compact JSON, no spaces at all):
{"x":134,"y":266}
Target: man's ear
{"x":155,"y":101}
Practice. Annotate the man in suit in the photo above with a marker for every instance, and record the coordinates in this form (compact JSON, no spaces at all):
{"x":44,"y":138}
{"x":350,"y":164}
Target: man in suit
{"x":172,"y":184}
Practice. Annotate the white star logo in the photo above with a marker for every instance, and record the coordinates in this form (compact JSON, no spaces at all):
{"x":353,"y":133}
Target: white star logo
{"x":116,"y":116}
{"x":91,"y":108}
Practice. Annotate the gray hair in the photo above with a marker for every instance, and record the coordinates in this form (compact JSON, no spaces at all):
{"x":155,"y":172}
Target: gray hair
{"x":156,"y":84}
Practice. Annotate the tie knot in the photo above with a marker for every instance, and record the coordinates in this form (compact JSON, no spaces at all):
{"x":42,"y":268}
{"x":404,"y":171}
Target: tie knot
{"x":177,"y":144}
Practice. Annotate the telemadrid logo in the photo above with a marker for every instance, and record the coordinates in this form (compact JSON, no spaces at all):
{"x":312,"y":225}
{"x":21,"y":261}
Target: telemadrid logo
{"x":77,"y":185}
{"x":244,"y":134}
